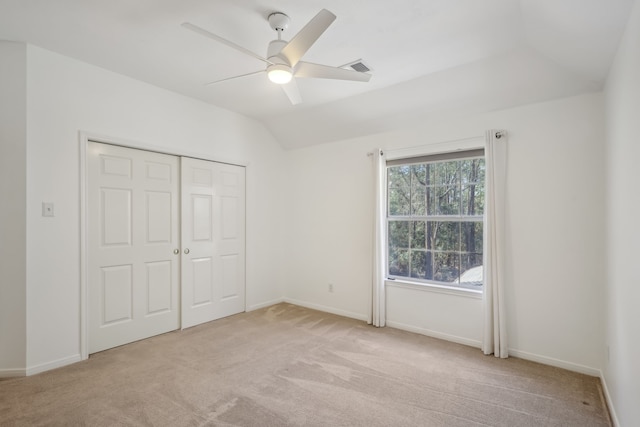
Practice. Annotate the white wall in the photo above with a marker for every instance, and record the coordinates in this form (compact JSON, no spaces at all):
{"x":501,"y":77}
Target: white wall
{"x":66,"y":96}
{"x":622,"y":371}
{"x":13,"y":205}
{"x":555,"y":231}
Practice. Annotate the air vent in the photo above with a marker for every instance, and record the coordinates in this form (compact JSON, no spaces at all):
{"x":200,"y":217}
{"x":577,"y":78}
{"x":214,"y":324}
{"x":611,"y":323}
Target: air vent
{"x":358,"y":66}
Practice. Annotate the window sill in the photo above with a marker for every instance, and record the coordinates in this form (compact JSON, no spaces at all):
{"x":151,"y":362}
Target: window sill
{"x":428,"y":287}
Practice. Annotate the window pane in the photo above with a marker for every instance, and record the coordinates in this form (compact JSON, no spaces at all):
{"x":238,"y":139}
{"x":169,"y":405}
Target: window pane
{"x":399,"y":234}
{"x":473,"y":199}
{"x":430,"y":200}
{"x":448,"y":200}
{"x":399,"y":201}
{"x":399,"y":176}
{"x":441,"y":266}
{"x":419,"y":264}
{"x":418,"y":199}
{"x":399,"y":262}
{"x":444,"y":235}
{"x":471,"y":238}
{"x":446,"y":173}
{"x":470,"y":260}
{"x":472,"y":171}
{"x":446,"y":266}
{"x":472,"y":269}
{"x":419,"y":174}
{"x":418,"y":236}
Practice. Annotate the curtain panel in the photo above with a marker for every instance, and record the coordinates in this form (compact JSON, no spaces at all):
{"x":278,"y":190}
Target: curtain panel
{"x":495,"y":324}
{"x":377,"y":315}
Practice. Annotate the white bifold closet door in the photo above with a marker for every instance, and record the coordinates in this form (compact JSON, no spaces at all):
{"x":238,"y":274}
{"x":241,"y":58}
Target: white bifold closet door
{"x":166,"y":243}
{"x":133,"y":232}
{"x":213,"y":240}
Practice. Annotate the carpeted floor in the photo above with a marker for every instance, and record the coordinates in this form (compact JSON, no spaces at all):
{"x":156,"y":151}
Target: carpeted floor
{"x":291,"y":366}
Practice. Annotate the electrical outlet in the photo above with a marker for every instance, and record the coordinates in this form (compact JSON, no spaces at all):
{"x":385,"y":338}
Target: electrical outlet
{"x":330,"y":287}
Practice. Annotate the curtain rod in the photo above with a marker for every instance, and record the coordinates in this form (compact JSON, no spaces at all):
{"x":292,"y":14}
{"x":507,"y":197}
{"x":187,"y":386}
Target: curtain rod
{"x":498,"y":135}
{"x":370,"y":153}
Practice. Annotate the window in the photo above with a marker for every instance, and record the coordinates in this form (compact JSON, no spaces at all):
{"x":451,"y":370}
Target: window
{"x":435,"y":207}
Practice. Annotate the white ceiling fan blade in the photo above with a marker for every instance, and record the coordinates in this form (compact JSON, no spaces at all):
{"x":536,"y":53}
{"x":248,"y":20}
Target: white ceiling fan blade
{"x":234,"y":77}
{"x":309,"y":69}
{"x":307,"y":36}
{"x":203,"y":32}
{"x":291,"y":89}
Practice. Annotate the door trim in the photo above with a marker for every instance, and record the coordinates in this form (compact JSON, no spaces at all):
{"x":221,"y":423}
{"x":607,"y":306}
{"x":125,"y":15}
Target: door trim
{"x":83,"y":140}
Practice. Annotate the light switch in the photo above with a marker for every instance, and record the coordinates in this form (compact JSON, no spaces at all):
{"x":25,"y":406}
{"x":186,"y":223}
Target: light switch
{"x":47,"y":209}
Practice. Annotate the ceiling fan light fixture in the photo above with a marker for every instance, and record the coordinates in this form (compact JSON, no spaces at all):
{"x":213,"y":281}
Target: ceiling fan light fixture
{"x":279,"y":73}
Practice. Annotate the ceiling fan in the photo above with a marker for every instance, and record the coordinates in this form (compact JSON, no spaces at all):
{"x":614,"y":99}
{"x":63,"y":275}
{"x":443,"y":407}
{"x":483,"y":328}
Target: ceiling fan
{"x":283,"y":58}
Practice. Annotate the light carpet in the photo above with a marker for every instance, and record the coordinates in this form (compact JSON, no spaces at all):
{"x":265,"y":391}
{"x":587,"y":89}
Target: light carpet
{"x":291,"y":366}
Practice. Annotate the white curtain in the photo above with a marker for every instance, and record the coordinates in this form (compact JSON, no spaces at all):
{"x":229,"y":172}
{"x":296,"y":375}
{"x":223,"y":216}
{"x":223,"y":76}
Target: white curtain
{"x":495,"y":324}
{"x":377,"y":312}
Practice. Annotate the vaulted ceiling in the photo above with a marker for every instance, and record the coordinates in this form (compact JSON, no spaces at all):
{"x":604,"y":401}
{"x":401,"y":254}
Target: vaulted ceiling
{"x":428,"y":57}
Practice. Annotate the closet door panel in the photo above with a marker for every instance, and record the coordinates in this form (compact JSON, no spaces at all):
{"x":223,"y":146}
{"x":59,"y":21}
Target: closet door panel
{"x":133,"y":230}
{"x":213,"y":240}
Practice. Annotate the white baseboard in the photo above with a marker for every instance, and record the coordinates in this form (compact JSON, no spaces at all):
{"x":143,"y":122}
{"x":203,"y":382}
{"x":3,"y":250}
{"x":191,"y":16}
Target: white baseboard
{"x":265,"y":304}
{"x":434,"y":334}
{"x":607,"y":398}
{"x":327,"y":309}
{"x":11,"y":373}
{"x":32,"y":370}
{"x":570,"y":366}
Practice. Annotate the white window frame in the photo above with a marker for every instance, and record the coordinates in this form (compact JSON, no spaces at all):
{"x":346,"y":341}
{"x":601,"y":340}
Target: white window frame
{"x":467,"y":144}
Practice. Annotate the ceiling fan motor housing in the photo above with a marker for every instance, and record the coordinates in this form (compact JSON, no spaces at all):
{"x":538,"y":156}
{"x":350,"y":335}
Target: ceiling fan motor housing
{"x":280,"y":70}
{"x":275,"y":46}
{"x":279,"y":21}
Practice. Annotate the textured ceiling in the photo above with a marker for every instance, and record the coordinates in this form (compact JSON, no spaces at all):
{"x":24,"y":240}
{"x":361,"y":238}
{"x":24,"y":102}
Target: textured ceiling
{"x":429,"y":57}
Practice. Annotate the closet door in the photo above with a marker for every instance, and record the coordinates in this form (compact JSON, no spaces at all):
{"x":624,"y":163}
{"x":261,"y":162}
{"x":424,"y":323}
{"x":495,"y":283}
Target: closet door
{"x":213,"y":240}
{"x":133,"y":242}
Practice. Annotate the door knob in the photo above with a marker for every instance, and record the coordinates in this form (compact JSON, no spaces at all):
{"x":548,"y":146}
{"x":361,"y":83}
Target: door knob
{"x":186,"y":251}
{"x":176,"y":251}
